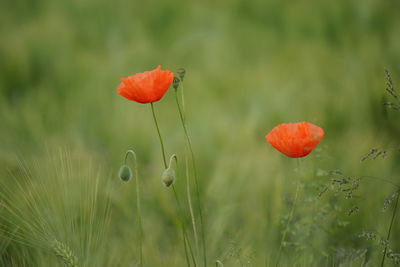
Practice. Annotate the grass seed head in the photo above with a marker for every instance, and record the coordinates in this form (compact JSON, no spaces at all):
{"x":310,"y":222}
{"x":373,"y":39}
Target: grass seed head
{"x":65,"y":254}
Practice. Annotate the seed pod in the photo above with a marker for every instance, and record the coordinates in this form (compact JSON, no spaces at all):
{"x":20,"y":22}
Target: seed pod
{"x":181,"y":73}
{"x":168,"y":177}
{"x":125,"y":173}
{"x":175,"y":83}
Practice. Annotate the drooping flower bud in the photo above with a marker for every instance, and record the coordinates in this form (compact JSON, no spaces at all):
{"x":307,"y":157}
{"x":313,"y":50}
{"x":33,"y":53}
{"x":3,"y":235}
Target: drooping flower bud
{"x":168,"y":177}
{"x":125,"y":173}
{"x":181,"y":73}
{"x":175,"y":83}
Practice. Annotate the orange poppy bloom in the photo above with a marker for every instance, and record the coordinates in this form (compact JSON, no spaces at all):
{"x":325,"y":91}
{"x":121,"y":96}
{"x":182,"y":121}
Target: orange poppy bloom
{"x":146,"y":87}
{"x":295,"y":140}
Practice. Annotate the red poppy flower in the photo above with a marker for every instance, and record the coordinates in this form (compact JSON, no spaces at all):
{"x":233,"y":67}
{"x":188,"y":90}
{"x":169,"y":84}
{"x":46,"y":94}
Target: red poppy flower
{"x":146,"y":87}
{"x":295,"y":140}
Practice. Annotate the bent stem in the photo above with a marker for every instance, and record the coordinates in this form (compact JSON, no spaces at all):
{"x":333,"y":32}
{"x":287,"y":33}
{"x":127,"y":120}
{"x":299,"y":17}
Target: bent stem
{"x":390,"y":227}
{"x":137,"y":204}
{"x":185,"y":237}
{"x":189,"y":144}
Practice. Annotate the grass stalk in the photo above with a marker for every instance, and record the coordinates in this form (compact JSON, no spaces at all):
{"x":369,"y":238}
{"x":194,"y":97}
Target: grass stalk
{"x":289,"y":219}
{"x":390,"y":228}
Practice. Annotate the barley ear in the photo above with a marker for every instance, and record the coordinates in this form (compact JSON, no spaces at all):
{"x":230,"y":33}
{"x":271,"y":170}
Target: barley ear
{"x":65,"y":254}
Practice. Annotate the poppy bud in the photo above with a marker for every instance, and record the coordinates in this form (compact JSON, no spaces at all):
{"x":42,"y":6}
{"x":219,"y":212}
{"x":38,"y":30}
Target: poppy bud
{"x":125,"y":173}
{"x":181,"y":72}
{"x":168,"y":177}
{"x":175,"y":83}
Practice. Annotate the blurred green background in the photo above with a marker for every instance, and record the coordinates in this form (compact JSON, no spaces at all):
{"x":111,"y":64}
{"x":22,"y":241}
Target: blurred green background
{"x":250,"y":66}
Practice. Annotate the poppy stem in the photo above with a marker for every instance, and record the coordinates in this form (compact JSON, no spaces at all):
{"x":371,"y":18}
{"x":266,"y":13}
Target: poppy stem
{"x":188,"y":191}
{"x":390,"y":227}
{"x":183,"y":100}
{"x":186,"y":249}
{"x":189,"y":145}
{"x":159,"y":135}
{"x":185,"y":235}
{"x":180,"y":217}
{"x":139,"y":211}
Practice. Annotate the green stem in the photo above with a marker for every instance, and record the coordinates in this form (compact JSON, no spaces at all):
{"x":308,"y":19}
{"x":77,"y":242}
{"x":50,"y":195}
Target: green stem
{"x":139,"y":210}
{"x":181,"y":218}
{"x":189,"y":143}
{"x":185,"y":247}
{"x":176,"y":196}
{"x":188,"y":191}
{"x":178,"y":203}
{"x":218,"y":264}
{"x":287,"y":224}
{"x":159,"y":135}
{"x":189,"y":198}
{"x":381,"y":179}
{"x":390,"y":227}
{"x":183,"y":100}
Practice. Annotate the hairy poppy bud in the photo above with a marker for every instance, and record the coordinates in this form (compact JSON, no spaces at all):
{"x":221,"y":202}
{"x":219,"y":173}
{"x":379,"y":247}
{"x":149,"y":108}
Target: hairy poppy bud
{"x":175,"y":82}
{"x":125,"y":173}
{"x":168,"y":177}
{"x":181,"y":72}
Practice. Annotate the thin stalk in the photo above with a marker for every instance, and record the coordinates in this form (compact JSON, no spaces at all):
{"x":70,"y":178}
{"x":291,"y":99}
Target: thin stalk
{"x":139,"y":210}
{"x":390,"y":227}
{"x":189,"y":198}
{"x":159,"y":135}
{"x":139,"y":220}
{"x":188,"y":191}
{"x":287,"y":224}
{"x":183,"y":101}
{"x":176,"y":196}
{"x":289,"y":219}
{"x":381,"y":179}
{"x":185,"y":247}
{"x":183,"y":226}
{"x":189,"y":143}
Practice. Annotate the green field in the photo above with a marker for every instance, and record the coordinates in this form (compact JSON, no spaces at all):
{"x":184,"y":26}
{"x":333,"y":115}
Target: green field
{"x":250,"y":65}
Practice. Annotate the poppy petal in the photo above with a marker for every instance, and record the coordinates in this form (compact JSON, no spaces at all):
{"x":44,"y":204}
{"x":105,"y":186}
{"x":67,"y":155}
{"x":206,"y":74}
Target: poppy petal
{"x":146,"y":87}
{"x":295,"y":139}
